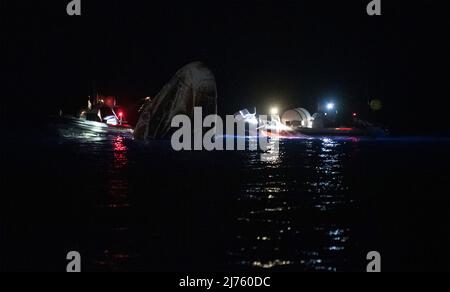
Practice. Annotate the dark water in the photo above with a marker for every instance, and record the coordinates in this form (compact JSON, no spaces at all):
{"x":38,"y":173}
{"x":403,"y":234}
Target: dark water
{"x":130,"y":206}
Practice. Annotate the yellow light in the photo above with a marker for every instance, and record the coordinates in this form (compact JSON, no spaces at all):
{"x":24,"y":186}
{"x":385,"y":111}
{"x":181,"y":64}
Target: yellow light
{"x":274,"y":111}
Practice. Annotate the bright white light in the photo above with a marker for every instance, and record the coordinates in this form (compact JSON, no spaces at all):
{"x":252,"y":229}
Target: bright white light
{"x":274,"y":111}
{"x":252,"y":120}
{"x":277,"y":126}
{"x":330,"y":106}
{"x":247,"y":117}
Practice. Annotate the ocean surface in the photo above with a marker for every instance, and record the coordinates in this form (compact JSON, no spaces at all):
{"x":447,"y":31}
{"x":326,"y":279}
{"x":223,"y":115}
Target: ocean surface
{"x":322,"y":205}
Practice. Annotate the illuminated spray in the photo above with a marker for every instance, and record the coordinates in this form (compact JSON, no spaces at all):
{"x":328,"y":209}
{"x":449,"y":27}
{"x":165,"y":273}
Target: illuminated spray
{"x":190,"y":136}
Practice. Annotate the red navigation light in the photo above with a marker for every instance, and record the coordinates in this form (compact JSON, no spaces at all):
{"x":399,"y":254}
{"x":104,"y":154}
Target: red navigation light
{"x":120,"y":114}
{"x":355,"y":115}
{"x":344,"y":129}
{"x":109,"y":102}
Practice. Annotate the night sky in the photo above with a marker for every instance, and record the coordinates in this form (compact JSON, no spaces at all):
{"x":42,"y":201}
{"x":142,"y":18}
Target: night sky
{"x":263,"y":53}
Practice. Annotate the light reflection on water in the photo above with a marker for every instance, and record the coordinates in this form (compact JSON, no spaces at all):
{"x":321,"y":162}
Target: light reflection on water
{"x":278,"y":226}
{"x":281,"y":218}
{"x":108,"y":164}
{"x":293,"y":212}
{"x":116,"y":255}
{"x":118,"y":183}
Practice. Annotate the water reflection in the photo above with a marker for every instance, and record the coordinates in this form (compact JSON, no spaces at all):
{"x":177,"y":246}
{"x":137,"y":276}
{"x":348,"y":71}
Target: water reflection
{"x":114,"y":261}
{"x":114,"y":212}
{"x":120,"y":152}
{"x":190,"y":210}
{"x":118,"y":181}
{"x":285,"y":206}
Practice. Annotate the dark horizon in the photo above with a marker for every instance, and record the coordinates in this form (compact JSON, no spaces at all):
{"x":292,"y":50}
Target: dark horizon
{"x":290,"y":54}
